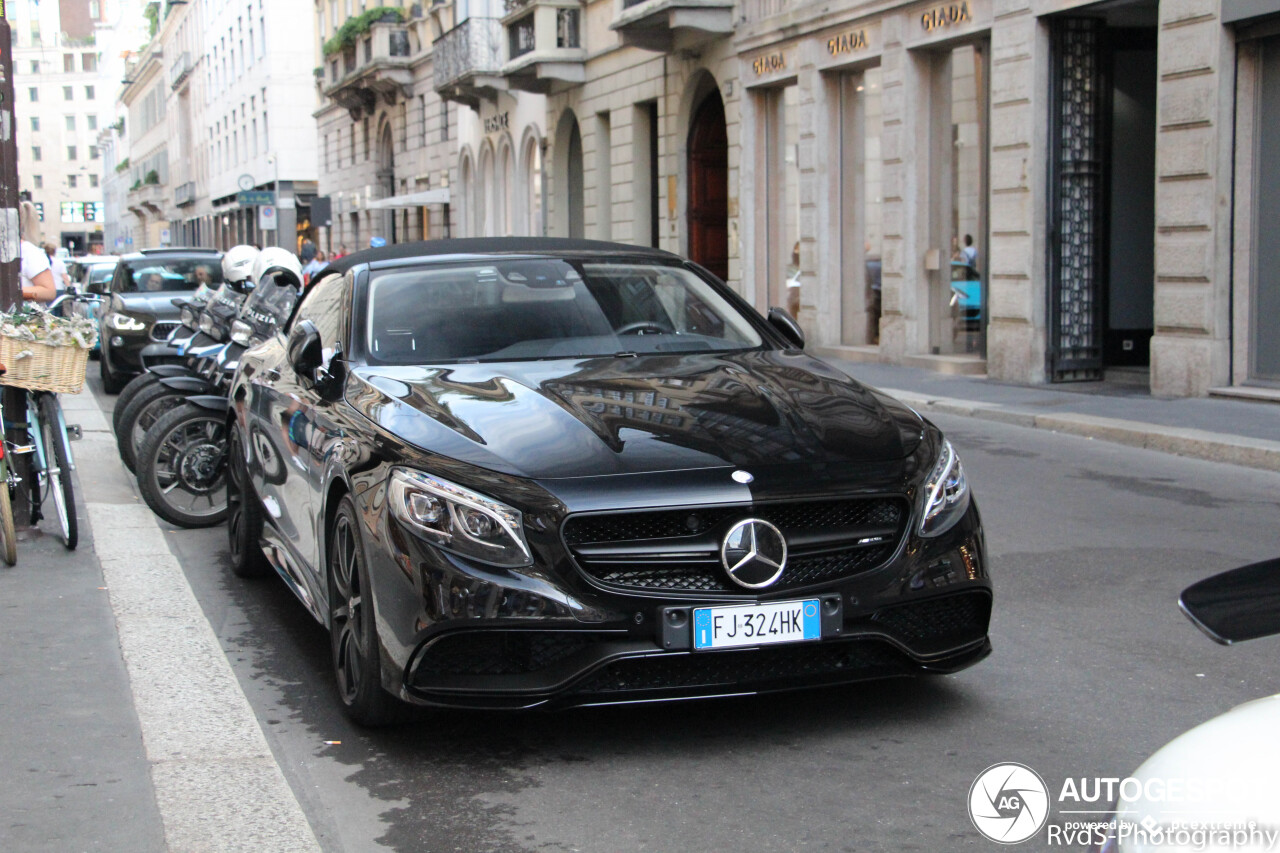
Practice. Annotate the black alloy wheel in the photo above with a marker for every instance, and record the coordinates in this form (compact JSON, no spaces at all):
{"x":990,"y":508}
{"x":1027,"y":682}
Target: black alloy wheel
{"x":136,"y":384}
{"x":357,"y":666}
{"x":182,"y":467}
{"x":244,"y":515}
{"x":139,"y":416}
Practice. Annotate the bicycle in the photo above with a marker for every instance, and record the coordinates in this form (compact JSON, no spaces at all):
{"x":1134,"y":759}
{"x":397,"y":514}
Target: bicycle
{"x":8,"y":484}
{"x":53,"y":464}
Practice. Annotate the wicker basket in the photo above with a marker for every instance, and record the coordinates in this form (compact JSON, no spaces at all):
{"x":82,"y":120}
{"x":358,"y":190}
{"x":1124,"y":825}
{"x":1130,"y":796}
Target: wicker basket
{"x":47,"y":368}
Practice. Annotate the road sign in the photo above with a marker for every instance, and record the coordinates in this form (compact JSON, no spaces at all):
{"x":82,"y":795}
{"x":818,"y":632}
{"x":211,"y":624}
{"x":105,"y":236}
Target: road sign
{"x":267,"y":218}
{"x":255,"y":198}
{"x":165,"y":236}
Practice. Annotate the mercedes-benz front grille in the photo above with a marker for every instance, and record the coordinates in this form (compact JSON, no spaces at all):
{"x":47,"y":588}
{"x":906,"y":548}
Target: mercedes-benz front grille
{"x":679,"y":550}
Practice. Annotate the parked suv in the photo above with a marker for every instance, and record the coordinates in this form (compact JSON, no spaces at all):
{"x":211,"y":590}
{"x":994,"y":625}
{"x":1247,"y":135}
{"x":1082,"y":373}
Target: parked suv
{"x":141,"y":310}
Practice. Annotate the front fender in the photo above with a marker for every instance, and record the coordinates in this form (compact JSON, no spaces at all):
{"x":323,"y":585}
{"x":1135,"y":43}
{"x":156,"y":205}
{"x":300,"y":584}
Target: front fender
{"x":187,"y":384}
{"x":211,"y":402}
{"x":164,"y":371}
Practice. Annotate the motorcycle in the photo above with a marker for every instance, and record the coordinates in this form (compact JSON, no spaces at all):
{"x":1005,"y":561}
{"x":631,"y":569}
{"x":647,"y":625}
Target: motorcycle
{"x":210,"y":329}
{"x":181,"y":460}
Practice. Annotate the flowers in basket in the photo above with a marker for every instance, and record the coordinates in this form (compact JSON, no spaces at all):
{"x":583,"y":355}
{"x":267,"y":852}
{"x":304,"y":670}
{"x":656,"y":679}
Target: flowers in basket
{"x":36,"y":326}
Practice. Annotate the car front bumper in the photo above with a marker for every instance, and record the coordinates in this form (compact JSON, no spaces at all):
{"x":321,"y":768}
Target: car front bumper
{"x":480,"y":637}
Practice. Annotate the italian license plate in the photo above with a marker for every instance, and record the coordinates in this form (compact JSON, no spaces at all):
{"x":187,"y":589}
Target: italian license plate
{"x":756,"y":624}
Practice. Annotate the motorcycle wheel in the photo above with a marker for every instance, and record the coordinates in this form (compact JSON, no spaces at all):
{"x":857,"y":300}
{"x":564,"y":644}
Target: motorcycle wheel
{"x":127,"y":394}
{"x":182,"y":467}
{"x":143,"y":410}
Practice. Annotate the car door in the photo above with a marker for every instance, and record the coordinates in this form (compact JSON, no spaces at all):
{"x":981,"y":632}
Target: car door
{"x":286,"y":442}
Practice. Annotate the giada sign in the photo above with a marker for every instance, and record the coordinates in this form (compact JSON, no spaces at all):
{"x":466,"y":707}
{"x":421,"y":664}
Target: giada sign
{"x":946,"y":16}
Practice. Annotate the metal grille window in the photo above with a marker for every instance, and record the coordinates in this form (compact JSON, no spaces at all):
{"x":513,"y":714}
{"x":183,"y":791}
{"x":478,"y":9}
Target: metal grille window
{"x":1078,"y":195}
{"x":522,"y":36}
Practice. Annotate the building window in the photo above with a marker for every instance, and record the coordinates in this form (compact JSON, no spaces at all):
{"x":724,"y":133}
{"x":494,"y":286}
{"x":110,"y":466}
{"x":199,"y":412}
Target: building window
{"x":89,"y":61}
{"x":93,"y":122}
{"x":444,"y":120}
{"x":35,"y":153}
{"x":88,"y":93}
{"x":40,"y":210}
{"x":67,"y":94}
{"x":95,"y":9}
{"x":365,"y":134}
{"x":35,"y":66}
{"x":93,"y":152}
{"x":72,"y":181}
{"x":71,"y":152}
{"x":35,"y":124}
{"x":71,"y":122}
{"x":39,"y":181}
{"x":68,"y":62}
{"x":353,"y":145}
{"x":861,"y":230}
{"x":33,"y":94}
{"x":93,"y":181}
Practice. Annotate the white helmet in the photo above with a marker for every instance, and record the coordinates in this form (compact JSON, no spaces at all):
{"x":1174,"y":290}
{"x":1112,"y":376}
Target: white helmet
{"x":237,"y":263}
{"x":276,"y":258}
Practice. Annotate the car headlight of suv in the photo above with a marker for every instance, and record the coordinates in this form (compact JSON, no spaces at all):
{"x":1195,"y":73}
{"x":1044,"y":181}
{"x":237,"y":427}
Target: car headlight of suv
{"x":945,"y":493}
{"x":459,"y":520}
{"x":125,"y":323}
{"x":241,"y":332}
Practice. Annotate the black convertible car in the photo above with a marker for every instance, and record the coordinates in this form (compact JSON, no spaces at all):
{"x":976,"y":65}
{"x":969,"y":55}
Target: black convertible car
{"x":534,"y":472}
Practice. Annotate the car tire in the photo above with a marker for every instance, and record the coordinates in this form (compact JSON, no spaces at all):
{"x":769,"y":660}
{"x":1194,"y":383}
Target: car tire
{"x":353,"y":637}
{"x":244,"y":514}
{"x":111,"y":382}
{"x":146,"y":407}
{"x":127,"y":394}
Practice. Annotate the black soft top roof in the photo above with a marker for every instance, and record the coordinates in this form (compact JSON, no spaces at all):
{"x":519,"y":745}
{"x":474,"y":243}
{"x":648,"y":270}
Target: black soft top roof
{"x":490,"y":246}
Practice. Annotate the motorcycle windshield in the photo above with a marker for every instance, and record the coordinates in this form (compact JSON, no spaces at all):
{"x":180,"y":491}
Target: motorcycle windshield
{"x":269,"y":305}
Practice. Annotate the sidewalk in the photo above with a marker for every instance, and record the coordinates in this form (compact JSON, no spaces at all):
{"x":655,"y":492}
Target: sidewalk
{"x":1239,"y":432}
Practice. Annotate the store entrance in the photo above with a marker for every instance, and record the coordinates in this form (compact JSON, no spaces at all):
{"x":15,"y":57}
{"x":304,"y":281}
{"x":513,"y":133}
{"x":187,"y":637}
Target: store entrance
{"x":709,"y":187}
{"x":1102,"y":208}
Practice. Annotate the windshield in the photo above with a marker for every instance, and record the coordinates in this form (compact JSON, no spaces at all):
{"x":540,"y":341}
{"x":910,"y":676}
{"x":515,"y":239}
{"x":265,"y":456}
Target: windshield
{"x":155,"y":275}
{"x":543,"y":308}
{"x":270,"y":304}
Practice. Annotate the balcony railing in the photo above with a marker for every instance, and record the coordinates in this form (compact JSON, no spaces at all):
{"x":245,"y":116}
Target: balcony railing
{"x":470,"y":50}
{"x":669,"y":25}
{"x":377,"y":65}
{"x":180,"y":69}
{"x":545,"y":50}
{"x":184,"y":194}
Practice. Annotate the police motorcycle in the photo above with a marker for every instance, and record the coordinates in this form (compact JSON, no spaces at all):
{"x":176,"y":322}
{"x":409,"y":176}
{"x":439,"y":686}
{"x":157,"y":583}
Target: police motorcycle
{"x":206,"y":330}
{"x":181,"y":462}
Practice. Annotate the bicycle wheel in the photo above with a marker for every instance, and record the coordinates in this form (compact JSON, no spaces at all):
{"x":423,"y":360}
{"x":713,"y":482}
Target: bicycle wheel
{"x":8,"y":536}
{"x":58,"y":473}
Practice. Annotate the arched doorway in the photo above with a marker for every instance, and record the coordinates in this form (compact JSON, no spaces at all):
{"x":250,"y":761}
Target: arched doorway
{"x":386,"y":176}
{"x":709,"y":187}
{"x":569,"y":181}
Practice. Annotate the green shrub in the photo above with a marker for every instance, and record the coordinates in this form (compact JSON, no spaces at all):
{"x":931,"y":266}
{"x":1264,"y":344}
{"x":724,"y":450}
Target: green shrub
{"x":358,"y":26}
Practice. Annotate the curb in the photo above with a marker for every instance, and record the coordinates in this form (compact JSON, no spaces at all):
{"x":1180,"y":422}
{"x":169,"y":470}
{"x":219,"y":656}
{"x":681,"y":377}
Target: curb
{"x":1197,"y":444}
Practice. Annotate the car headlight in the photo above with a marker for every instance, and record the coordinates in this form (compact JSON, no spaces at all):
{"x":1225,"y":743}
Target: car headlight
{"x":459,"y":520}
{"x":945,"y":494}
{"x":241,"y":332}
{"x":125,"y":323}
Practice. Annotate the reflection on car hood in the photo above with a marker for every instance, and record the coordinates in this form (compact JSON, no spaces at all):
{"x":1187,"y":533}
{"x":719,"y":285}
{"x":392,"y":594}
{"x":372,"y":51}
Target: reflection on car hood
{"x":576,"y":418}
{"x":159,"y":303}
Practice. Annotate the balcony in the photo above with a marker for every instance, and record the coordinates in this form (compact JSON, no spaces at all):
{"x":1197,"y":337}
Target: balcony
{"x":545,"y":53}
{"x":185,"y":194}
{"x":147,"y":199}
{"x":377,"y":65}
{"x":180,"y":70}
{"x":468,"y":61}
{"x":673,"y":25}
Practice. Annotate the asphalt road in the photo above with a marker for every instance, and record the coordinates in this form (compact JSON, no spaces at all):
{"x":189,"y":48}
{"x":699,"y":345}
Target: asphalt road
{"x":1093,"y":668}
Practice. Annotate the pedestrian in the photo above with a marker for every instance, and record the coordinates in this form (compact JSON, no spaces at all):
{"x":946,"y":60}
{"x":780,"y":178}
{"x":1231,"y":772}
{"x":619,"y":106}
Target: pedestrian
{"x":308,"y":251}
{"x":61,"y":279}
{"x":313,"y":266}
{"x":970,"y":253}
{"x":35,"y":273}
{"x":342,"y":251}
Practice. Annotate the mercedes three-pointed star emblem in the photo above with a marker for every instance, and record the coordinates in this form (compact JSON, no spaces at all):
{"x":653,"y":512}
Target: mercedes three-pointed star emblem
{"x":754,"y":553}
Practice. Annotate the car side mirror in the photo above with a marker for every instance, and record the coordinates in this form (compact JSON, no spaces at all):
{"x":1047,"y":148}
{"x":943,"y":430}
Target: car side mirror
{"x":305,"y":351}
{"x":96,"y":288}
{"x":786,"y":325}
{"x":1237,"y":605}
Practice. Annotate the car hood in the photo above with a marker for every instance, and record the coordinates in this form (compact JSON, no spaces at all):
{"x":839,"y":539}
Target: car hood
{"x":587,"y":417}
{"x":1231,"y":759}
{"x":159,"y":304}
